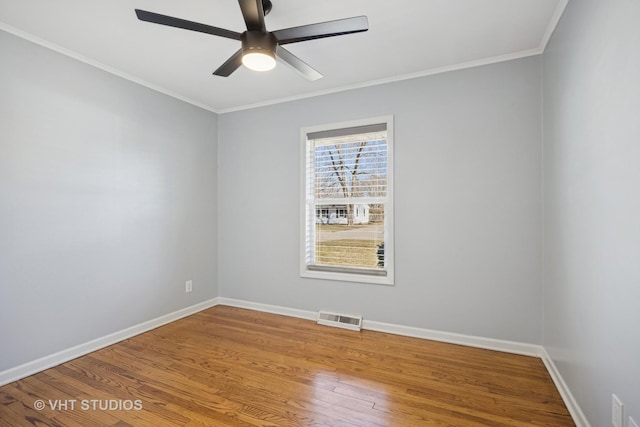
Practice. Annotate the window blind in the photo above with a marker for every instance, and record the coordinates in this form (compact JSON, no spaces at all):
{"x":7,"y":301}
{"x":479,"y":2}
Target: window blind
{"x":346,"y":196}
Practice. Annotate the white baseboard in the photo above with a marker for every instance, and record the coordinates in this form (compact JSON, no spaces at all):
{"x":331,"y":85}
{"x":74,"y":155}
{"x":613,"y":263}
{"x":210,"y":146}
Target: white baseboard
{"x":574,"y":409}
{"x":453,"y":338}
{"x":38,"y":365}
{"x":468,"y":340}
{"x":275,"y":309}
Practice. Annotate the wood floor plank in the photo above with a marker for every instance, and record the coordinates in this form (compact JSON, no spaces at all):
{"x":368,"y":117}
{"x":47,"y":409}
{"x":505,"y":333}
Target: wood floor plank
{"x":227,"y":366}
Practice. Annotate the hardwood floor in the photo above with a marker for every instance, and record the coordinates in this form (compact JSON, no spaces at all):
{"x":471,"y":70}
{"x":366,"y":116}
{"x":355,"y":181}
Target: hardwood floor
{"x":232,"y":367}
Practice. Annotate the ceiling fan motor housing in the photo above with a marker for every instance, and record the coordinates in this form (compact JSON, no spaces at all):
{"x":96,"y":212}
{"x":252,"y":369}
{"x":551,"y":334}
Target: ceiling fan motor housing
{"x":259,"y":42}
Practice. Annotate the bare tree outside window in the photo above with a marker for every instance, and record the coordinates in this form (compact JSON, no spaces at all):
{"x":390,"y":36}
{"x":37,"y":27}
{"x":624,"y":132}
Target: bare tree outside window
{"x":351,"y":174}
{"x":343,"y":174}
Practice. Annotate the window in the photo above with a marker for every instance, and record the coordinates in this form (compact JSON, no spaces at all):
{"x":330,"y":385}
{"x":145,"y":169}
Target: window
{"x":347,"y":196}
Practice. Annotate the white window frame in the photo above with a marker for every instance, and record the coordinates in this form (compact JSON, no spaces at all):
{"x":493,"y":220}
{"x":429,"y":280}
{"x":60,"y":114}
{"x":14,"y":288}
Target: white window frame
{"x":351,"y":276}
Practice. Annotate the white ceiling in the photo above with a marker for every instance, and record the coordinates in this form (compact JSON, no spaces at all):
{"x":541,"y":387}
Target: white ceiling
{"x":406,"y":38}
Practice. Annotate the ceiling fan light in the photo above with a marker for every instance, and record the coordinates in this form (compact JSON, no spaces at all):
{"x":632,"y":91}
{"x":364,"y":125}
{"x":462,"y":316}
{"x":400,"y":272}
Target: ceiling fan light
{"x":259,"y":60}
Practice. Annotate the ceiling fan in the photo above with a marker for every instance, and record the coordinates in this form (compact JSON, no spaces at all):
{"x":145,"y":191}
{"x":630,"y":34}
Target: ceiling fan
{"x":259,"y":46}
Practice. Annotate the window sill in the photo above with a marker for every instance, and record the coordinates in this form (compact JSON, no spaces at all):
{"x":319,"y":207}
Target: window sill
{"x":348,"y":277}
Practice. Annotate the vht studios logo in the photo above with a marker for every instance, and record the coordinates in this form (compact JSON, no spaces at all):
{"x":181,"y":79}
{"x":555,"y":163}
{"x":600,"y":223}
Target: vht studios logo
{"x":89,"y":405}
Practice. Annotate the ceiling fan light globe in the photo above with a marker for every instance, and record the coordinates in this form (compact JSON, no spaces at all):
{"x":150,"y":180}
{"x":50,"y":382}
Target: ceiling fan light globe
{"x":259,"y":60}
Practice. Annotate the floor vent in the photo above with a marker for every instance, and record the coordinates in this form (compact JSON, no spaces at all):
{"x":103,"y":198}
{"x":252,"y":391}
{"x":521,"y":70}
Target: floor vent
{"x":340,"y":320}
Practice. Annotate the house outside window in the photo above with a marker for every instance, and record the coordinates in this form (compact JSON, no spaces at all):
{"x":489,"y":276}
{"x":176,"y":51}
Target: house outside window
{"x":347,"y":194}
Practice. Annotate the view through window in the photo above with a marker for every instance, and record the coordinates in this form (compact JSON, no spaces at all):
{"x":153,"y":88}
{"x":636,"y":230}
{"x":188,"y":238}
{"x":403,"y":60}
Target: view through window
{"x":347,"y":193}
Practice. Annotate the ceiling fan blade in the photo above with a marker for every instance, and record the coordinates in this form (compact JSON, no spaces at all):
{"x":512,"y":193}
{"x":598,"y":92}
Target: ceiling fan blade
{"x":170,"y":21}
{"x":297,"y":64}
{"x":253,"y":14}
{"x":230,"y":65}
{"x":321,"y":30}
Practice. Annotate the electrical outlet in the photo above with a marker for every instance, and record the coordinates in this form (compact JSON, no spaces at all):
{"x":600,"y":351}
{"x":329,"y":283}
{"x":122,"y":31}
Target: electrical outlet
{"x":617,"y":409}
{"x":188,"y":286}
{"x":632,"y":422}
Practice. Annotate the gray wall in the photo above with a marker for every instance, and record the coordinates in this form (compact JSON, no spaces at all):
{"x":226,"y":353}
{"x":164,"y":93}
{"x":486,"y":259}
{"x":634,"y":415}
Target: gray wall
{"x":592,"y":204}
{"x":107,"y":203}
{"x":468,"y":203}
